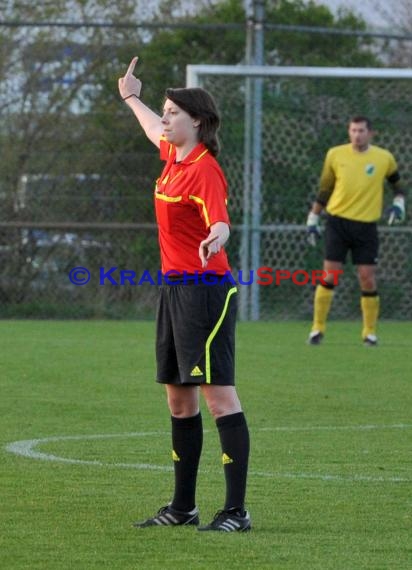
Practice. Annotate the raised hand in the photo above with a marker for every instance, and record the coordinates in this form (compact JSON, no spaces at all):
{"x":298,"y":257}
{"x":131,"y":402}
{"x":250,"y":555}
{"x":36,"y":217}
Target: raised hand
{"x":129,"y":85}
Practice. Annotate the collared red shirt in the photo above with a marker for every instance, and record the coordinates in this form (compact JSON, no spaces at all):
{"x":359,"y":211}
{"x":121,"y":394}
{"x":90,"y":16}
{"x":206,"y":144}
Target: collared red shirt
{"x":190,"y":196}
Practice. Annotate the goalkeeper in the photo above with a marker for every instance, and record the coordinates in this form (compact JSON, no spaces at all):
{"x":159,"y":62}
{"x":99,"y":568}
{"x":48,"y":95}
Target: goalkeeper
{"x":351,"y":191}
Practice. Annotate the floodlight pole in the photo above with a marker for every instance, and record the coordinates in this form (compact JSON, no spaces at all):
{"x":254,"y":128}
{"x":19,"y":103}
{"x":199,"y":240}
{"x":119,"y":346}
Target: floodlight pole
{"x":259,"y":16}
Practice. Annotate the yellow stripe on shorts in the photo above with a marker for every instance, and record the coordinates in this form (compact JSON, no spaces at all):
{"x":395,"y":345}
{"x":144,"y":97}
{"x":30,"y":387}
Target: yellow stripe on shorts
{"x":212,"y":335}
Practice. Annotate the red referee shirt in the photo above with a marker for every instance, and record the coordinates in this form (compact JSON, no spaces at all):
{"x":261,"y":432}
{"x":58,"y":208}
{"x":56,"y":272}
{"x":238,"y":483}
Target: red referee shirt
{"x":190,"y":196}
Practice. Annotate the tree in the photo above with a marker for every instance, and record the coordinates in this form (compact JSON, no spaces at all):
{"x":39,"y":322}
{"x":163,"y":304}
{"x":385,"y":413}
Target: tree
{"x":300,"y":48}
{"x":50,"y":76}
{"x":58,"y":95}
{"x":49,"y":137}
{"x":61,"y":114}
{"x":398,"y":15}
{"x":173,"y":49}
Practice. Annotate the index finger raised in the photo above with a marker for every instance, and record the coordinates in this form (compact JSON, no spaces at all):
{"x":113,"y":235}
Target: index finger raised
{"x":132,"y":65}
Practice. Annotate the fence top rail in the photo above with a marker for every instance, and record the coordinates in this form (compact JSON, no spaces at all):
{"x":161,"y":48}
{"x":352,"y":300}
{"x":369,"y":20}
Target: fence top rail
{"x":303,"y":228}
{"x":77,"y":225}
{"x":193,"y":72}
{"x":151,"y":226}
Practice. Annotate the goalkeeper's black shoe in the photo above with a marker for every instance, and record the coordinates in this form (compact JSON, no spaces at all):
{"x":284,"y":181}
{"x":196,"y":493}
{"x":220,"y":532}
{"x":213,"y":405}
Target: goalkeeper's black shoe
{"x":233,"y":520}
{"x":370,"y":340}
{"x":315,"y":338}
{"x":168,"y":516}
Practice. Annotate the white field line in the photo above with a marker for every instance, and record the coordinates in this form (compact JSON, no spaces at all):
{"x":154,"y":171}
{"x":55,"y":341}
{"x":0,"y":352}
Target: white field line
{"x":28,"y":448}
{"x":339,"y":428}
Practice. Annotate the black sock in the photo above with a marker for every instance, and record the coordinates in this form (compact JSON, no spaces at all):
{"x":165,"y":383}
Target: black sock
{"x":234,"y":439}
{"x":187,"y":439}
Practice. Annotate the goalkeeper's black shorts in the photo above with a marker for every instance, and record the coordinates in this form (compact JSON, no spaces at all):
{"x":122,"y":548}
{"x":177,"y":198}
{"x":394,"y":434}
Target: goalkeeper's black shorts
{"x":195,"y":336}
{"x":360,"y":238}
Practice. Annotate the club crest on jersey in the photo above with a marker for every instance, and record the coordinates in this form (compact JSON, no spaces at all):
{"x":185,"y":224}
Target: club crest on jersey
{"x":370,"y":169}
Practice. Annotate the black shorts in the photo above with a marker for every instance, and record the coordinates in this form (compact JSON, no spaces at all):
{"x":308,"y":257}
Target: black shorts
{"x":361,"y":238}
{"x":195,"y":337}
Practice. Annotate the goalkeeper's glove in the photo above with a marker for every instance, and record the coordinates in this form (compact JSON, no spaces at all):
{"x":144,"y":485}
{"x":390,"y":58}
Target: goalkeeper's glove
{"x":396,"y":213}
{"x":313,"y":229}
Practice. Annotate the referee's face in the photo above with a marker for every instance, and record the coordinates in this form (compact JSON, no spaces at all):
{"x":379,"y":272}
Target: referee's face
{"x":359,"y":136}
{"x":179,"y":127}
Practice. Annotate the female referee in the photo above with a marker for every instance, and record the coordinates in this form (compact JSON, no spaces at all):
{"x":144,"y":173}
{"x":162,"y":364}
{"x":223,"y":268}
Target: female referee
{"x":195,"y":338}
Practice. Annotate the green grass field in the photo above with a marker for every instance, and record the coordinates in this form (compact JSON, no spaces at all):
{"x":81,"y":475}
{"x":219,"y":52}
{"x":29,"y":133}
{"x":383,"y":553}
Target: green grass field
{"x":330,"y":474}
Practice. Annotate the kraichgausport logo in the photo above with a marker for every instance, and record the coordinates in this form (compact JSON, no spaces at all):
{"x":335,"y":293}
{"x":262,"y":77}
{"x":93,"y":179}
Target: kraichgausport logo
{"x":263,"y":276}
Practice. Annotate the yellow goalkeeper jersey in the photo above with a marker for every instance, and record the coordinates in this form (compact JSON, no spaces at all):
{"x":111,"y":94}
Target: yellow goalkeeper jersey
{"x":356,"y":180}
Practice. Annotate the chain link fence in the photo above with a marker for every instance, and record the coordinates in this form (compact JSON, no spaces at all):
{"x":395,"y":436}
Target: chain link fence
{"x":76,"y":179}
{"x":301,"y":118}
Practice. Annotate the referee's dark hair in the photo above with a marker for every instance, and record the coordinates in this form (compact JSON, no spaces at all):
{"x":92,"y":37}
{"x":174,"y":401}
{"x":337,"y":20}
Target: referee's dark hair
{"x":362,"y":119}
{"x":199,"y":104}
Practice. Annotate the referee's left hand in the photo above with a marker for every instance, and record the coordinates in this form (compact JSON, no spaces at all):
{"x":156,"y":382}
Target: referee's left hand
{"x":209,"y":247}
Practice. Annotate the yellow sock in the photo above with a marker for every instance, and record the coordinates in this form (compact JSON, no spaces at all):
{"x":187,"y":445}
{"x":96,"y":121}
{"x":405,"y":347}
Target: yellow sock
{"x":322,"y":303}
{"x":370,"y":313}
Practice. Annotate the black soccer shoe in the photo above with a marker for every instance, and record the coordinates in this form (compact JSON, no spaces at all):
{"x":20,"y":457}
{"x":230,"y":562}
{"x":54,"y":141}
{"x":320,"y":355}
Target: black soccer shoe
{"x":315,"y":338}
{"x":229,"y":521}
{"x":370,"y":340}
{"x":168,"y":516}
